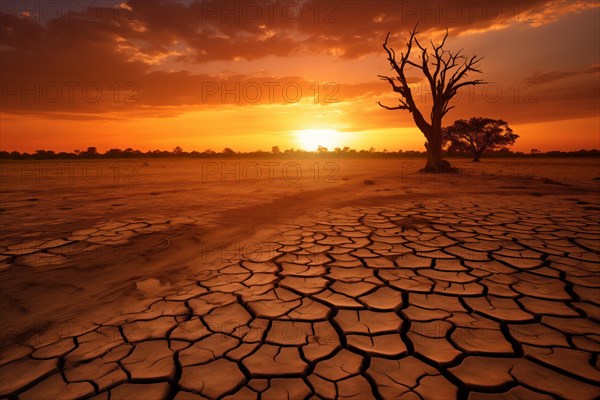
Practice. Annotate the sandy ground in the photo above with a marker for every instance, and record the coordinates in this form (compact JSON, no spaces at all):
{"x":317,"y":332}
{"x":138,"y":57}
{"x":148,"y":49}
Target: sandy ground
{"x":171,"y":259}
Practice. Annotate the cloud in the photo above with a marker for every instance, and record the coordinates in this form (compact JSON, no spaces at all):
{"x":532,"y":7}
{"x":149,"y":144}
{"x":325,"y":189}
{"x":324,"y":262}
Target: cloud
{"x":115,"y":59}
{"x":237,"y":29}
{"x":551,"y":76}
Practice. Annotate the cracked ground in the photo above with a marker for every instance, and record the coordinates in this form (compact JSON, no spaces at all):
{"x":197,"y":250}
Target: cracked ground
{"x":486,"y":298}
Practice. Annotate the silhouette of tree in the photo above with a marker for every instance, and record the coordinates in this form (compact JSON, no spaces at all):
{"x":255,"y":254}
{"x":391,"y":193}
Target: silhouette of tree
{"x":114,"y":153}
{"x":177,"y":151}
{"x":478,"y":135}
{"x":535,"y":151}
{"x":90,"y":152}
{"x":446,"y":72}
{"x":44,"y":154}
{"x":275,"y":150}
{"x":322,"y":149}
{"x":228,"y":151}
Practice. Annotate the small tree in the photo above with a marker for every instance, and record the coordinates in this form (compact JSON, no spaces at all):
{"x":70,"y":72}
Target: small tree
{"x":445,"y":72}
{"x":114,"y":153}
{"x":275,"y":150}
{"x":478,"y":135}
{"x":92,"y":151}
{"x":177,"y":151}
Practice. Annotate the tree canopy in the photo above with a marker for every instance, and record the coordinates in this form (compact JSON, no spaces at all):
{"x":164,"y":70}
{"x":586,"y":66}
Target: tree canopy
{"x":478,"y":135}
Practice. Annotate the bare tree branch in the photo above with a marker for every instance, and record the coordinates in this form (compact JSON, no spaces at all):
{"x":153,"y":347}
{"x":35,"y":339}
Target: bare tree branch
{"x":404,"y":88}
{"x":400,"y":107}
{"x":435,"y":64}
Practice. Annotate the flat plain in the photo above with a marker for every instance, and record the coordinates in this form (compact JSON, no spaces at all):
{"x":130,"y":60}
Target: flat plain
{"x":283,"y":278}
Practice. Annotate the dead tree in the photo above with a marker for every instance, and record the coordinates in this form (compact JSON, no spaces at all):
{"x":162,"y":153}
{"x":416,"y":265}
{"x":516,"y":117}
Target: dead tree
{"x":446,"y":73}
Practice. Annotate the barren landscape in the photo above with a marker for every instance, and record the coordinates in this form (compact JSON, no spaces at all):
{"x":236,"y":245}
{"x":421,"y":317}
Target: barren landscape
{"x":299,"y":199}
{"x":278,"y":278}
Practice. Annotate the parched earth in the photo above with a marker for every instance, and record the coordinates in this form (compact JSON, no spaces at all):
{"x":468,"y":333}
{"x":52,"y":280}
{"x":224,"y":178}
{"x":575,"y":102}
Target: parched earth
{"x":490,"y":298}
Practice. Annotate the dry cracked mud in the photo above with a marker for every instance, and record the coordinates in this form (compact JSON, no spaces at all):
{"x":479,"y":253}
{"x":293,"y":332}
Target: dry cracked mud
{"x":484,"y":299}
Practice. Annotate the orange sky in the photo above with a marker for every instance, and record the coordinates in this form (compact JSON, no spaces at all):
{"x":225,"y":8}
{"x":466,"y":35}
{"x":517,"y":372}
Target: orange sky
{"x":251,"y":74}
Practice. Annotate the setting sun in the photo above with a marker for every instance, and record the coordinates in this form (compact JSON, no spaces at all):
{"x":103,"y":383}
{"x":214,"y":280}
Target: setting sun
{"x":311,"y":139}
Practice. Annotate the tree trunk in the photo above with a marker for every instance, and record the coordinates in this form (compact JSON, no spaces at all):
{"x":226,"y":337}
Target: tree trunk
{"x":435,"y":163}
{"x":477,"y":154}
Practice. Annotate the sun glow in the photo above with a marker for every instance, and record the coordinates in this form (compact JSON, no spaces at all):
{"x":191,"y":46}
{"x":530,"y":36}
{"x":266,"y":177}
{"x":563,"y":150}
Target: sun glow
{"x":311,"y":139}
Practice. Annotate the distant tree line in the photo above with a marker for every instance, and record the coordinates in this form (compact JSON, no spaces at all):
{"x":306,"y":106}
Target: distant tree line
{"x":346,"y":152}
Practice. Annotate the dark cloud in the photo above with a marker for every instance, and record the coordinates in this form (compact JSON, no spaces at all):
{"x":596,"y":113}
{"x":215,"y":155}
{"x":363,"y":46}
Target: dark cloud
{"x":58,"y":63}
{"x":223,"y":30}
{"x":547,"y":77}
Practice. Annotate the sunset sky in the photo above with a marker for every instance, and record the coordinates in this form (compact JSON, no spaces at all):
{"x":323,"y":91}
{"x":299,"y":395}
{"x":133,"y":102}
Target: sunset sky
{"x":254,"y":74}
